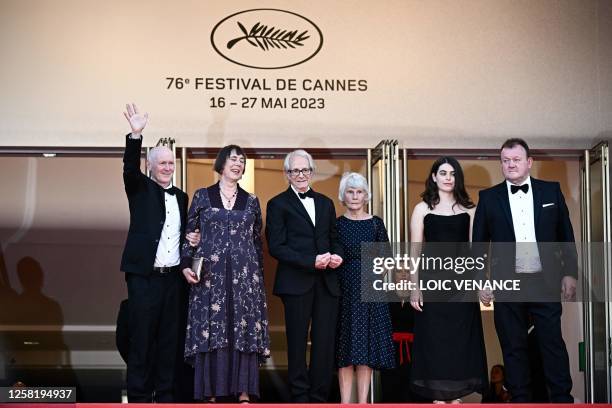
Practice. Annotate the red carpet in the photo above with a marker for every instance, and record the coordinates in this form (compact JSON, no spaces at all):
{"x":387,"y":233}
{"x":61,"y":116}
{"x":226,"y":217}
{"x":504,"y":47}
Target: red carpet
{"x":24,"y":405}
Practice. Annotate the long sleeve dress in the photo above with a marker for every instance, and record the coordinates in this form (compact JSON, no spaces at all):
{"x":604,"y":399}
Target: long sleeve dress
{"x":227,"y":327}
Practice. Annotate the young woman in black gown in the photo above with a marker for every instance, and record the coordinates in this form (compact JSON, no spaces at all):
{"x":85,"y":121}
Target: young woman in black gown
{"x":449,"y":359}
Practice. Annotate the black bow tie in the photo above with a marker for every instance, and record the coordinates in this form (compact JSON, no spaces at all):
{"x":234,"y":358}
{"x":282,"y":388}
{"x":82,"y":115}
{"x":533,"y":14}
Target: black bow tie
{"x":524,"y":188}
{"x":169,"y":190}
{"x":309,"y":193}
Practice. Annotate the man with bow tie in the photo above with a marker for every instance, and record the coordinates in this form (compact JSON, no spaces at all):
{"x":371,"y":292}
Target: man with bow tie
{"x":301,"y":234}
{"x":530,"y":217}
{"x":151,"y":257}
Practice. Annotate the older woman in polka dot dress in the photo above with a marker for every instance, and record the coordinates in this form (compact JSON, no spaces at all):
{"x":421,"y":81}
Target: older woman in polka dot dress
{"x":364,"y":339}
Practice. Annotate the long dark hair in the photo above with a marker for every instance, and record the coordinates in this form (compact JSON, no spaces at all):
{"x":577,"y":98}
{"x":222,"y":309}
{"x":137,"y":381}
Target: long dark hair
{"x":431,"y":197}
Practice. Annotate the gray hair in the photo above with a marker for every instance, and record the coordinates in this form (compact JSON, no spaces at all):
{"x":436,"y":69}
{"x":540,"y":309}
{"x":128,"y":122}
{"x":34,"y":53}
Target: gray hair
{"x":353,"y":180}
{"x":153,"y":154}
{"x":298,"y":153}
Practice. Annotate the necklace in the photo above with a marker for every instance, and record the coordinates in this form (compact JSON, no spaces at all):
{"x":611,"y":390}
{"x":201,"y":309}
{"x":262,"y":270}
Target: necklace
{"x":228,"y":199}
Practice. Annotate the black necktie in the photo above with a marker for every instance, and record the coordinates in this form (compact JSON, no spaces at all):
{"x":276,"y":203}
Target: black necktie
{"x":524,"y":188}
{"x":169,"y":190}
{"x":309,"y":193}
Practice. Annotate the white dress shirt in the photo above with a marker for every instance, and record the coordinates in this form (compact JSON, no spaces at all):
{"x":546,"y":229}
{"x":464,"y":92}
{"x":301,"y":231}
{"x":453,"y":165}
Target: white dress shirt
{"x":521,"y":206}
{"x":308,"y":204}
{"x":168,"y":251}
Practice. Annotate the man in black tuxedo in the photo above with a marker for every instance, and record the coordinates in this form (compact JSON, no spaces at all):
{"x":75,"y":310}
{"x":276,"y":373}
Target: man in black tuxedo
{"x":525,"y":210}
{"x":150,"y":261}
{"x":301,"y":234}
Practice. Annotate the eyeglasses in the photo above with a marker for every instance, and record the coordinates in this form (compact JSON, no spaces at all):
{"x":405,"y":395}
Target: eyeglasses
{"x":296,"y":172}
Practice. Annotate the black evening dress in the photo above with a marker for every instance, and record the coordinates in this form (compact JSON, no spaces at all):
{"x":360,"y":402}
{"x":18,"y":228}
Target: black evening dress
{"x":449,"y":358}
{"x":364,"y":328}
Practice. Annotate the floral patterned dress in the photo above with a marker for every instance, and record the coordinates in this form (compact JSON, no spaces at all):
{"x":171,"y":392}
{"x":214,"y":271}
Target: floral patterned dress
{"x":227,"y":327}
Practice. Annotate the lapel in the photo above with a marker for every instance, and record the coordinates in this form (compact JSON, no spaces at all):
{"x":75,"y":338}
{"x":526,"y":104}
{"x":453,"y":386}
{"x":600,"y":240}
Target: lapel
{"x":159,"y":193}
{"x":504,"y":201}
{"x":294,"y":200}
{"x":318,"y":201}
{"x":537,"y":202}
{"x":180,"y":198}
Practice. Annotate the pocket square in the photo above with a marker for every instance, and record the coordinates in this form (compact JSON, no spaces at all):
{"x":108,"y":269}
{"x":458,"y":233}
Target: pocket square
{"x":547,"y":205}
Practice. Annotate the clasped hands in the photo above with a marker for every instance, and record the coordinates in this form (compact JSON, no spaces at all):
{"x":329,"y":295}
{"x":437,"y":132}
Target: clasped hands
{"x":328,"y":260}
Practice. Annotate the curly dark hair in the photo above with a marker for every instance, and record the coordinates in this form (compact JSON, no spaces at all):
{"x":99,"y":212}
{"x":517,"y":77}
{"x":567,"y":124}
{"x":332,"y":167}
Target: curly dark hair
{"x":431,"y":197}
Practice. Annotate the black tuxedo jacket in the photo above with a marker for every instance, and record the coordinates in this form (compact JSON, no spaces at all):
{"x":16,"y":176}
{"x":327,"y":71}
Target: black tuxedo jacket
{"x":147,"y":212}
{"x":553,"y":229}
{"x":295,"y":242}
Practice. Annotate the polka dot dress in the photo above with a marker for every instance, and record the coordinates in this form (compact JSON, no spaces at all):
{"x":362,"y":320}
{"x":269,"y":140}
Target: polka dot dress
{"x":364,"y":329}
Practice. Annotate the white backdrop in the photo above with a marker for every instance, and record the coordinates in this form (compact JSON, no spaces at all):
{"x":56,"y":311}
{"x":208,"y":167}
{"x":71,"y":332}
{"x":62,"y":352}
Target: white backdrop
{"x":436,"y":70}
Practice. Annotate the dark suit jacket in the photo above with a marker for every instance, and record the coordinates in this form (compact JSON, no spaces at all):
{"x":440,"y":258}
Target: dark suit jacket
{"x":295,"y":242}
{"x":147,"y":212}
{"x":553,"y":229}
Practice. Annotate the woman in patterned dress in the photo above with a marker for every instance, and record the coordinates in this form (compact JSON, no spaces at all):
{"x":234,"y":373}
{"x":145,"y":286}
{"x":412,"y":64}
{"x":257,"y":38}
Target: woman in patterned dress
{"x":227,"y":327}
{"x":364,"y":340}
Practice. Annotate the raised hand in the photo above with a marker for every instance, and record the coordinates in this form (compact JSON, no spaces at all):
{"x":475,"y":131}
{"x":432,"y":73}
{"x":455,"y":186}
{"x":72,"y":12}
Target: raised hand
{"x":137,"y":120}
